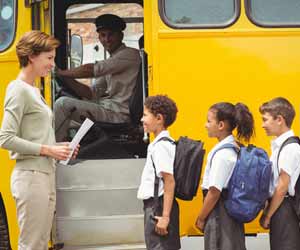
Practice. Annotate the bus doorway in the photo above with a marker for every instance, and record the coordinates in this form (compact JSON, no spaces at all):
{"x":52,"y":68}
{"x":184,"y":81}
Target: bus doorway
{"x":96,"y":194}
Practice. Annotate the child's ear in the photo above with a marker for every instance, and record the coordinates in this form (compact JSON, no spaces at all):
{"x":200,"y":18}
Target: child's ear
{"x":280,"y":119}
{"x":221,"y":125}
{"x":159,"y":117}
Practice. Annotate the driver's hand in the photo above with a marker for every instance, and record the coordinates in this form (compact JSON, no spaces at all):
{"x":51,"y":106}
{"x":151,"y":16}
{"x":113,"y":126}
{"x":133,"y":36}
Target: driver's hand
{"x":56,"y":71}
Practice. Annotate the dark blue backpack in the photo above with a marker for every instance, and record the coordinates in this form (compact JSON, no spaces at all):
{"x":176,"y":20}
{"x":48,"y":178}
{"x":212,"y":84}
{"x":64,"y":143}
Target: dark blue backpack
{"x":248,"y":187}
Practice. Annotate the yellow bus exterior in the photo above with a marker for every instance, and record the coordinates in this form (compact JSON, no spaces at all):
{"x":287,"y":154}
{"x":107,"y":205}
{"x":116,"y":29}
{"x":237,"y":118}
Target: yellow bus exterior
{"x":196,"y":67}
{"x":241,"y":63}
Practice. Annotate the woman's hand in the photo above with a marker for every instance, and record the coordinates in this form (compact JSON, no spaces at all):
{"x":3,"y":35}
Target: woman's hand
{"x":59,"y":152}
{"x":75,"y":153}
{"x":76,"y":150}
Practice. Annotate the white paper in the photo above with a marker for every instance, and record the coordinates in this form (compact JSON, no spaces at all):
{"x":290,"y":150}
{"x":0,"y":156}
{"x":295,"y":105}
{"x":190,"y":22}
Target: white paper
{"x":86,"y":125}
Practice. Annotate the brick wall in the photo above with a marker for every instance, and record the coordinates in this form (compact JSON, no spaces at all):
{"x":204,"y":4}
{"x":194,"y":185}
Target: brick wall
{"x":88,"y":31}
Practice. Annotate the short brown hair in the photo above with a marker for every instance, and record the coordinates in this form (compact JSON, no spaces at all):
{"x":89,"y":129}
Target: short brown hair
{"x":162,"y":104}
{"x":33,"y":43}
{"x":279,"y":106}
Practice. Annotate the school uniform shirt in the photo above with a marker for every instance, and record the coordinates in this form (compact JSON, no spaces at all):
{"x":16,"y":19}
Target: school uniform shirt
{"x":219,"y":169}
{"x":163,"y":154}
{"x":289,"y":162}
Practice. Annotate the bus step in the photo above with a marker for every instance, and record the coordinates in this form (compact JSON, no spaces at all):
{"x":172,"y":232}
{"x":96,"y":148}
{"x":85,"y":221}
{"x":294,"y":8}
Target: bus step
{"x":97,"y":204}
{"x":100,"y":174}
{"x":100,"y":230}
{"x":140,"y":246}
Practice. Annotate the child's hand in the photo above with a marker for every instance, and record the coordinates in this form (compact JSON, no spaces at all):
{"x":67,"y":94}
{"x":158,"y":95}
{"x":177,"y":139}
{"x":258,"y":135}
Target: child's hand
{"x":265,"y":221}
{"x":162,"y":225}
{"x":200,"y":224}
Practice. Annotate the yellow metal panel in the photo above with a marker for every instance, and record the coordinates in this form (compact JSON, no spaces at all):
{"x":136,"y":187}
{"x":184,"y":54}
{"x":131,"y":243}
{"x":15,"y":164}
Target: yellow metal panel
{"x":8,"y":72}
{"x":46,"y":27}
{"x":242,"y":63}
{"x":148,"y":36}
{"x":9,"y":69}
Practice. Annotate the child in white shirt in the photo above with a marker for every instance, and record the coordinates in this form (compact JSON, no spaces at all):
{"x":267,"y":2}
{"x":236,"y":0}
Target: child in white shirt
{"x":278,"y":115}
{"x":161,"y":211}
{"x":221,"y":232}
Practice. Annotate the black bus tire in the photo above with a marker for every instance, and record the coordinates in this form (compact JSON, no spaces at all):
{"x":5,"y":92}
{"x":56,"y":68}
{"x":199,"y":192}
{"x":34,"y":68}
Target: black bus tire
{"x":4,"y":233}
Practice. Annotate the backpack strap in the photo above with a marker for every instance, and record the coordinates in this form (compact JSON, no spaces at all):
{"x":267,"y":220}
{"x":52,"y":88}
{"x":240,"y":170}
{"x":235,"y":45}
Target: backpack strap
{"x":294,"y":200}
{"x":166,"y":139}
{"x":156,"y":184}
{"x":156,"y":180}
{"x":292,"y":139}
{"x":227,"y":145}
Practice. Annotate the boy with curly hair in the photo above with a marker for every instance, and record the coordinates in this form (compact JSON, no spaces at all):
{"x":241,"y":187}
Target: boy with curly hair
{"x":161,"y":211}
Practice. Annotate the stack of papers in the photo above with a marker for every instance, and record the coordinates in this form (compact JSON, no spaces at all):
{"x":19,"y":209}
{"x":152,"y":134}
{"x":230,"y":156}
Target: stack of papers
{"x":86,"y":125}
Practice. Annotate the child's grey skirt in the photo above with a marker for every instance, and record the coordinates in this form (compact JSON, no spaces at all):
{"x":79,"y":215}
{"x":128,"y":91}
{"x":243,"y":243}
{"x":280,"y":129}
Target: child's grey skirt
{"x":153,"y":240}
{"x":221,"y":232}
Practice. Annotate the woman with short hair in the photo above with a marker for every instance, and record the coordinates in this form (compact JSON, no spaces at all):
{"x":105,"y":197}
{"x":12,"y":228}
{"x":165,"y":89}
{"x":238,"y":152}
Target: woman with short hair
{"x":28,"y":134}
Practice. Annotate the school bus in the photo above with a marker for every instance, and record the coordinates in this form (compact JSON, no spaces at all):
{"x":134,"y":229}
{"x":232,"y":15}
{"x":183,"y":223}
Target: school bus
{"x":198,"y":52}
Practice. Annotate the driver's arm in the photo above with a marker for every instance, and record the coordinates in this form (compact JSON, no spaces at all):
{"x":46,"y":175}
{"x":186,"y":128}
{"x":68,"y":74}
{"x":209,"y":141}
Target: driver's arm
{"x":68,"y":79}
{"x":83,"y":71}
{"x":80,"y":89}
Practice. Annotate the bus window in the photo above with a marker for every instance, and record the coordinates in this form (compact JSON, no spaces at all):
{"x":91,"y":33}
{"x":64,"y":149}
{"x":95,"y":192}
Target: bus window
{"x":7,"y":23}
{"x":199,"y":13}
{"x":274,"y":13}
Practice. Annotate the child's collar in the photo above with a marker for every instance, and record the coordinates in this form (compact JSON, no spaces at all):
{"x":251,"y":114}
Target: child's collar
{"x":163,"y":133}
{"x":280,"y":139}
{"x":228,"y":139}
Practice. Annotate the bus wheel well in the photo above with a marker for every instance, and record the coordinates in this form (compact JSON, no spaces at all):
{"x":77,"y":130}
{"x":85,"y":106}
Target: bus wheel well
{"x":4,"y":233}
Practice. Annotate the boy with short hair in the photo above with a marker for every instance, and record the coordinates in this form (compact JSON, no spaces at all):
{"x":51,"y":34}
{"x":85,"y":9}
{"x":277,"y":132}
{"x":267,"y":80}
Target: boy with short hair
{"x":279,"y":215}
{"x":161,"y":216}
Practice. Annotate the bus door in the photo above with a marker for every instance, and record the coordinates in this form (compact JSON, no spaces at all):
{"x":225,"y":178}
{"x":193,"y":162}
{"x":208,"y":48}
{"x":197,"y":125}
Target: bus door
{"x":96,"y":194}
